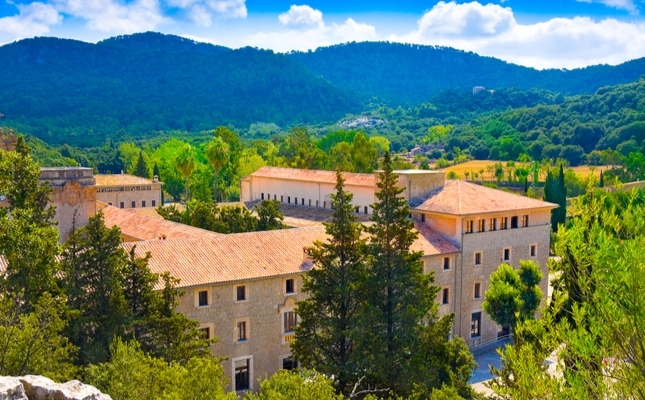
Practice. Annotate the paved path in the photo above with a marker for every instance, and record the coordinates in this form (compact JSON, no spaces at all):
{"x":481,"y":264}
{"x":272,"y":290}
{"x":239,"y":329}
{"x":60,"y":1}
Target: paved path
{"x":482,"y":374}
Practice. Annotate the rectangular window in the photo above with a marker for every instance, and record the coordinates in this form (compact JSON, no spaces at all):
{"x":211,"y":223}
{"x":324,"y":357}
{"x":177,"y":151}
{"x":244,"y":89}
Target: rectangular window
{"x":154,"y":203}
{"x":134,"y":204}
{"x":445,"y":296}
{"x":525,"y":221}
{"x":290,"y":288}
{"x":325,"y":204}
{"x":281,"y":199}
{"x":478,"y":258}
{"x":303,"y":201}
{"x":309,"y":202}
{"x":289,"y":321}
{"x":480,"y":225}
{"x":295,"y":201}
{"x":275,"y":197}
{"x":475,"y":324}
{"x":317,"y":203}
{"x":203,"y":298}
{"x":469,"y":226}
{"x":507,"y":254}
{"x":365,"y":209}
{"x":446,"y":263}
{"x":503,"y":223}
{"x":122,"y":205}
{"x":477,"y":293}
{"x":205,"y":333}
{"x":109,"y":203}
{"x":143,"y":203}
{"x":289,"y":199}
{"x":241,"y":293}
{"x":289,"y":363}
{"x":492,"y":224}
{"x":423,"y":218}
{"x":242,"y":379}
{"x":514,"y":222}
{"x":241,"y":331}
{"x":533,"y":250}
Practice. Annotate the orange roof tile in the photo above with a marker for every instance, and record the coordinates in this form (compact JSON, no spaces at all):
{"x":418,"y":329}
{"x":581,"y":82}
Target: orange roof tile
{"x":465,"y":198}
{"x":144,"y":227}
{"x":121,"y":179}
{"x":313,"y":175}
{"x":254,"y":255}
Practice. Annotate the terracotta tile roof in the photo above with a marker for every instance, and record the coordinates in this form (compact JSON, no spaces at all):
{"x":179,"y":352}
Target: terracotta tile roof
{"x":465,"y":198}
{"x":254,"y":255}
{"x":148,"y":211}
{"x":121,"y":179}
{"x":144,"y":227}
{"x":312,"y":175}
{"x":431,"y":242}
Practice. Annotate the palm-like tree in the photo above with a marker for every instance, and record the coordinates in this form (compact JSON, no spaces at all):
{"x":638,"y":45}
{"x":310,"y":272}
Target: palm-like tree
{"x":186,"y":163}
{"x":217,"y":154}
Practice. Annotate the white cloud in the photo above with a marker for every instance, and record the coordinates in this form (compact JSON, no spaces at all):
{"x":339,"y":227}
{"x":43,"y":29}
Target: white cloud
{"x":557,"y":43}
{"x":115,"y":16}
{"x":33,"y":19}
{"x":308,"y":31}
{"x":301,"y":16}
{"x":619,"y":4}
{"x":202,"y":12}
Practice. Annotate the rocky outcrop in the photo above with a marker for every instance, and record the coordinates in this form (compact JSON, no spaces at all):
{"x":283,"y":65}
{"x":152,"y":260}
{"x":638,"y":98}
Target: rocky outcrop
{"x":34,"y":387}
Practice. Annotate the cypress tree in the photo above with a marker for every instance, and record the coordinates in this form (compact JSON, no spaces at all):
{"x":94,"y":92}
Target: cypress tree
{"x":602,"y":180}
{"x":142,"y":167}
{"x":398,"y":296}
{"x":324,"y":339}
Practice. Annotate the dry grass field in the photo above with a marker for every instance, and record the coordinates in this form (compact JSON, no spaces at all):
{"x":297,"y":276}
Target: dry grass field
{"x":478,"y":165}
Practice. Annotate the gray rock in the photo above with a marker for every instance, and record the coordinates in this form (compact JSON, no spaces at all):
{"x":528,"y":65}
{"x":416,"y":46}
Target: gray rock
{"x":41,"y":388}
{"x":11,"y":389}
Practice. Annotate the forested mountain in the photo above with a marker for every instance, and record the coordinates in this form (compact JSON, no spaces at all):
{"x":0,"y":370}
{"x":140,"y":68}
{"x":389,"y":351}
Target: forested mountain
{"x":406,"y":74}
{"x":79,"y":93}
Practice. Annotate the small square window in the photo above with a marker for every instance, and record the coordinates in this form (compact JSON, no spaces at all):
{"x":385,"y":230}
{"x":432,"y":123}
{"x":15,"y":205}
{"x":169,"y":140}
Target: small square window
{"x":507,"y":254}
{"x":203,"y":298}
{"x":533,"y":251}
{"x":445,"y":297}
{"x":109,"y":203}
{"x":514,"y":222}
{"x":446,"y":263}
{"x":477,"y":293}
{"x":241,"y":293}
{"x":205,"y":333}
{"x":290,"y":287}
{"x":478,"y":258}
{"x":289,"y":363}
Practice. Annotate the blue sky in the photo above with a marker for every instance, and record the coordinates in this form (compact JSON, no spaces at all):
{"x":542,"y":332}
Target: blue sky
{"x":541,"y":34}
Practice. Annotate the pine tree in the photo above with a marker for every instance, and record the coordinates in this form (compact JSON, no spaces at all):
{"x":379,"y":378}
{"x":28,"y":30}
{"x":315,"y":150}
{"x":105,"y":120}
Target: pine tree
{"x":398,"y":296}
{"x":142,"y":167}
{"x":555,"y":192}
{"x":329,"y":316}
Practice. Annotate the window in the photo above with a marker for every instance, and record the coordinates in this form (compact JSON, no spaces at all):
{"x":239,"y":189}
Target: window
{"x":289,"y":363}
{"x":423,"y":218}
{"x":205,"y":333}
{"x":309,"y":202}
{"x":507,"y":254}
{"x":241,"y":331}
{"x":262,"y":196}
{"x":289,"y":199}
{"x":242,"y":378}
{"x":480,"y":225}
{"x":325,"y":204}
{"x":290,"y":288}
{"x":446,"y":263}
{"x":503,"y":223}
{"x":154,"y":203}
{"x":357,"y":209}
{"x":492,"y":224}
{"x":241,"y":293}
{"x":525,"y":221}
{"x":303,"y":201}
{"x":281,"y":199}
{"x":143,"y":203}
{"x":295,"y":201}
{"x":478,"y":258}
{"x":533,"y":250}
{"x":109,"y":203}
{"x":469,"y":226}
{"x":445,"y":296}
{"x":365,"y":209}
{"x":203,"y":298}
{"x":275,"y":197}
{"x":477,"y":293}
{"x":316,"y":203}
{"x":134,"y":204}
{"x":514,"y":222}
{"x":122,"y":205}
{"x":290,"y":321}
{"x":475,"y":324}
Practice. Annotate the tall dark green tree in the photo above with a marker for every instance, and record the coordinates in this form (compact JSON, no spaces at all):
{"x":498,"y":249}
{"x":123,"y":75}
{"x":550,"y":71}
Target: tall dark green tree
{"x":398,"y":296}
{"x":270,"y":216}
{"x":28,"y":237}
{"x":142,"y":167}
{"x":92,"y":262}
{"x":555,"y":191}
{"x":329,"y":316}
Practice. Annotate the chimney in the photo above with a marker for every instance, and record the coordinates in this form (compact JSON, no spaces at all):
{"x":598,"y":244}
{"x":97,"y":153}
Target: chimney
{"x":306,"y":256}
{"x":155,"y":179}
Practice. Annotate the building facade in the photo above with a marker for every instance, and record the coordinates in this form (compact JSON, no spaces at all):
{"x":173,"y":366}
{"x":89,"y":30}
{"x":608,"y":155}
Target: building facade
{"x":128,"y":191}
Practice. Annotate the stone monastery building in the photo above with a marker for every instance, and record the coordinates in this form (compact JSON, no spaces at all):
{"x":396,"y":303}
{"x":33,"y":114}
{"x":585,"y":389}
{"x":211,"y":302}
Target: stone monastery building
{"x":243,"y":288}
